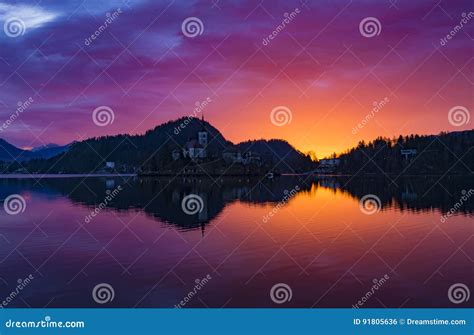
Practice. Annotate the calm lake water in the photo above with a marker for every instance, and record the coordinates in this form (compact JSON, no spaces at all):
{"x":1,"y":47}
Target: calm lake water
{"x":317,"y":240}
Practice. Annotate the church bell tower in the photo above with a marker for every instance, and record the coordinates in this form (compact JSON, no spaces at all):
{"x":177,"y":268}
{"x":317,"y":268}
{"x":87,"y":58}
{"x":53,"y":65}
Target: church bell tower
{"x":202,"y":134}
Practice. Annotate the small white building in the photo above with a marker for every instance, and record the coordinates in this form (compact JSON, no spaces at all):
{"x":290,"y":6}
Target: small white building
{"x":251,"y":158}
{"x":329,"y":163}
{"x":110,"y":165}
{"x":408,"y":153}
{"x":176,"y":154}
{"x":195,"y":148}
{"x":232,"y":155}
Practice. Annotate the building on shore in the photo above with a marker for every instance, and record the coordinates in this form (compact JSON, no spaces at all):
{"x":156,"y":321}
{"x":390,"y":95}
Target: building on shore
{"x":195,"y":148}
{"x":233,"y":155}
{"x":329,"y":163}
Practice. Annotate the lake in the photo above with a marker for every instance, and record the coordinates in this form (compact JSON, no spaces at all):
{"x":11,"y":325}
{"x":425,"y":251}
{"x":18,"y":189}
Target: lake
{"x":292,"y":241}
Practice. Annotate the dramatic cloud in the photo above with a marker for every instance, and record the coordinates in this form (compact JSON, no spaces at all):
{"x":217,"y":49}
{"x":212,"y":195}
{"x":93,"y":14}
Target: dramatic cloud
{"x":317,"y":63}
{"x":32,"y":16}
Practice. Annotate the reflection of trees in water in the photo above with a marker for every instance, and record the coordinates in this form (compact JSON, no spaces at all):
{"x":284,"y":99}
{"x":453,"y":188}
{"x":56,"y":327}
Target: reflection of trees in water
{"x":162,"y":197}
{"x":413,"y":194}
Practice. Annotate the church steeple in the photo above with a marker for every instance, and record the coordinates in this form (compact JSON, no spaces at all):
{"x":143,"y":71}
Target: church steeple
{"x":202,"y":134}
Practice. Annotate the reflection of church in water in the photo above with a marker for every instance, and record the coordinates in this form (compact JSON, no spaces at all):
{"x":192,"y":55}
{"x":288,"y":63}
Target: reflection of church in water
{"x":202,"y":217}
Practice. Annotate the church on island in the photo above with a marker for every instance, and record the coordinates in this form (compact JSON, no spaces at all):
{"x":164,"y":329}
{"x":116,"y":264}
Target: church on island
{"x":195,"y":148}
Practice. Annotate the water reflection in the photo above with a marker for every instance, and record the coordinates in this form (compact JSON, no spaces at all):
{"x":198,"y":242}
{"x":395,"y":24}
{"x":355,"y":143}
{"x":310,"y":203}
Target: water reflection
{"x":162,"y":198}
{"x":319,"y":242}
{"x":416,"y":194}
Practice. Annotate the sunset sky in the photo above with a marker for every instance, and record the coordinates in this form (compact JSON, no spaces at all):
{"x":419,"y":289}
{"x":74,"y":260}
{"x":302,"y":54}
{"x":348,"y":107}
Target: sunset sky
{"x":319,"y":66}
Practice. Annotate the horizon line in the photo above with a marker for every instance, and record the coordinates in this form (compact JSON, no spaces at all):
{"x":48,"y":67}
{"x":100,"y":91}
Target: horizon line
{"x":254,"y":139}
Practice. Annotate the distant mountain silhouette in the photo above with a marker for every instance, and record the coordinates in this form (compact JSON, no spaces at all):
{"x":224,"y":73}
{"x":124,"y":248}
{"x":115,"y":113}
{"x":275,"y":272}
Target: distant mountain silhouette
{"x":46,"y":146}
{"x":49,"y":150}
{"x":167,"y":150}
{"x":10,"y":153}
{"x":153,"y":150}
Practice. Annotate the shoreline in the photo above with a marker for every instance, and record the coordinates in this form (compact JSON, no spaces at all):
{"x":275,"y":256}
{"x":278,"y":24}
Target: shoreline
{"x":148,"y":175}
{"x":72,"y":175}
{"x":204,"y":175}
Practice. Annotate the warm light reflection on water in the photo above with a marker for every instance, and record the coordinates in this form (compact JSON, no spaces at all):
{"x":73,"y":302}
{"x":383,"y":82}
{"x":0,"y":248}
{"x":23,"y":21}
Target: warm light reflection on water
{"x":319,"y":243}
